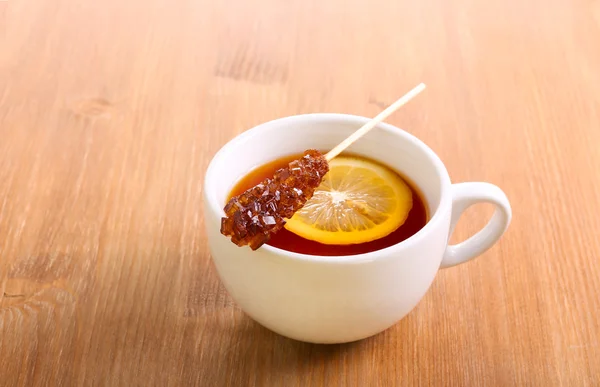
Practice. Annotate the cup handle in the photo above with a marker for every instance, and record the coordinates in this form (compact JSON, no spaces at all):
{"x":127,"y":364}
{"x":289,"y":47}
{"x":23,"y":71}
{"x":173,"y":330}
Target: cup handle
{"x":465,"y":195}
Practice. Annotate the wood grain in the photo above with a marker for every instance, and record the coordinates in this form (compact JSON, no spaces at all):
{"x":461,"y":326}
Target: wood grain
{"x":111,"y":110}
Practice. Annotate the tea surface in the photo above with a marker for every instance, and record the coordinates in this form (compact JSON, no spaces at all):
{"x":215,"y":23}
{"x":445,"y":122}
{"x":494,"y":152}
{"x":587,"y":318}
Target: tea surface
{"x":286,"y":240}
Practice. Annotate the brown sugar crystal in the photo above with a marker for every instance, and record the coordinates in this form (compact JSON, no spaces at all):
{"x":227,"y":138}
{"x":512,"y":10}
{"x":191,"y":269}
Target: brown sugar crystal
{"x":254,"y":215}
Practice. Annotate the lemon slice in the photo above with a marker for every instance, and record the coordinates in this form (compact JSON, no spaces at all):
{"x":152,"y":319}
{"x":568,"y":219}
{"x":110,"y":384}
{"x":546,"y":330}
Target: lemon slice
{"x":358,"y":201}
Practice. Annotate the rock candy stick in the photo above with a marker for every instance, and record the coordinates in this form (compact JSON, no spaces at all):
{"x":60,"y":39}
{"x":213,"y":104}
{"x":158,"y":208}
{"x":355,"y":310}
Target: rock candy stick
{"x":251,"y":218}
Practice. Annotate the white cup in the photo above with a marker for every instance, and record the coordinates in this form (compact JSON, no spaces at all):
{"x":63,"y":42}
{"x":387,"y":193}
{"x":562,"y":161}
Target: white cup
{"x":340,"y":299}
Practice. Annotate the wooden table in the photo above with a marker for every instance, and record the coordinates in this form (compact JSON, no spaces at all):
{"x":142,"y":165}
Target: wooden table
{"x":111,"y":110}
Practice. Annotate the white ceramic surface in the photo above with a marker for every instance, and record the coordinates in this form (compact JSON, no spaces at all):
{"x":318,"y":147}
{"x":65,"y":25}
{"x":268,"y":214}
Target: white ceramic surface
{"x":340,"y":299}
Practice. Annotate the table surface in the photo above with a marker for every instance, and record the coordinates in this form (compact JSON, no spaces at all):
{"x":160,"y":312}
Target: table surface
{"x":111,"y":110}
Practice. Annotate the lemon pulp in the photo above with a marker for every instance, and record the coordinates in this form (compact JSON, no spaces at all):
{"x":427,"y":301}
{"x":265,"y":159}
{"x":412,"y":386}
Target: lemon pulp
{"x":358,"y":201}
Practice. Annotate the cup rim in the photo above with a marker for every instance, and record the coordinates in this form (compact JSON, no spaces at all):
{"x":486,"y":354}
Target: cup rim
{"x":435,"y":219}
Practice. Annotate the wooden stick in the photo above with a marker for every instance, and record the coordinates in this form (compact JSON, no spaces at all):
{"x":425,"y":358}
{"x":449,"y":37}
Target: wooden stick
{"x":371,"y":124}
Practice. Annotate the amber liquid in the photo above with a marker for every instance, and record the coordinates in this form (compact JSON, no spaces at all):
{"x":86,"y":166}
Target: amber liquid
{"x":286,"y":240}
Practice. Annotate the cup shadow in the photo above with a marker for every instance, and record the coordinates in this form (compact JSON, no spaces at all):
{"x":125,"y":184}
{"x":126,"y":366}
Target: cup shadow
{"x":245,"y":353}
